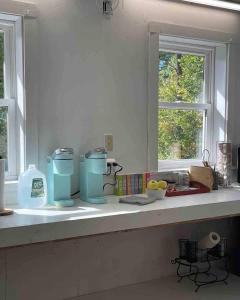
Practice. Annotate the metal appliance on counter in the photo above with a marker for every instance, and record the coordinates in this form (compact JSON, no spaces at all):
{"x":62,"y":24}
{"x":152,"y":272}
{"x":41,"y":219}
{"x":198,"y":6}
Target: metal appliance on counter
{"x":93,"y":165}
{"x":60,"y":170}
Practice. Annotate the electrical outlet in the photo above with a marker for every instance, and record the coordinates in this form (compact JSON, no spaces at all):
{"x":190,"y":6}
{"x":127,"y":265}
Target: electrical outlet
{"x":108,"y":142}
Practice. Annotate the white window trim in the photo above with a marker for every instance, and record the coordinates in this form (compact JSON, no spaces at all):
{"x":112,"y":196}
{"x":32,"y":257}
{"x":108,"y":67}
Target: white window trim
{"x":217,"y":99}
{"x":14,"y":93}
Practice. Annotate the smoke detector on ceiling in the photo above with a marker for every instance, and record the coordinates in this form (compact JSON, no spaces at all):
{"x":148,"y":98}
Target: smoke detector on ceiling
{"x":107,"y":6}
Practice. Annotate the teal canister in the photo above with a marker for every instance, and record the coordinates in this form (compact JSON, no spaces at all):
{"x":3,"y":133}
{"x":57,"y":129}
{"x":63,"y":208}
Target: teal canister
{"x":60,"y":171}
{"x":93,"y":165}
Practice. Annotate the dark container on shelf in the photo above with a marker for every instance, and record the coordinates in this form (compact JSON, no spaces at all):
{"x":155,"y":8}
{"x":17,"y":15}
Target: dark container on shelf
{"x":222,"y":247}
{"x":183,"y":248}
{"x":192,"y":251}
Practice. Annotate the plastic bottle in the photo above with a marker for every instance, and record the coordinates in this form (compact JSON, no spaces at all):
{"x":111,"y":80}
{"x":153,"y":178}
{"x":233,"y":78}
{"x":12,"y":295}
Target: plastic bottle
{"x":32,"y":188}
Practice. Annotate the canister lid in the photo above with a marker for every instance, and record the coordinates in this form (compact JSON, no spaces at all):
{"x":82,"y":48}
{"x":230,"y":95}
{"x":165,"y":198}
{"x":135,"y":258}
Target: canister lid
{"x":98,"y":153}
{"x":63,"y":154}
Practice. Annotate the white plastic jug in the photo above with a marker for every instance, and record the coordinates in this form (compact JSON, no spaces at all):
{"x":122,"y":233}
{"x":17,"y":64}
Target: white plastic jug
{"x":32,"y":188}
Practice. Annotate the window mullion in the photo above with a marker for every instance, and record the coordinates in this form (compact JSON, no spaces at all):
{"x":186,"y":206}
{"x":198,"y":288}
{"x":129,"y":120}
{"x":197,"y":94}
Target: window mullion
{"x":6,"y":102}
{"x":185,"y":106}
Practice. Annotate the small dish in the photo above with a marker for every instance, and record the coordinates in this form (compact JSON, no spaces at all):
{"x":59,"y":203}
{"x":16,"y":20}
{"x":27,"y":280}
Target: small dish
{"x":156,"y":194}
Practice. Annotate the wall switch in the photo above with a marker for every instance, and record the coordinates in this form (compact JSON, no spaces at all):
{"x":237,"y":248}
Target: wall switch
{"x":108,"y":142}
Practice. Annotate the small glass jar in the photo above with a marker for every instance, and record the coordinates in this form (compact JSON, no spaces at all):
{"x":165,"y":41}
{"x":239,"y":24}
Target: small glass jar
{"x":224,"y":162}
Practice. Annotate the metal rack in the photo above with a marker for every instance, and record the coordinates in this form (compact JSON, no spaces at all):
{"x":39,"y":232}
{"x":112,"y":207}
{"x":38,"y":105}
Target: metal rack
{"x":201,"y":270}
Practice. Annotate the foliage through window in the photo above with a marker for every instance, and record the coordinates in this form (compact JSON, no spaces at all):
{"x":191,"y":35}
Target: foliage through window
{"x":3,"y":110}
{"x":3,"y":132}
{"x":1,"y":65}
{"x":181,"y":132}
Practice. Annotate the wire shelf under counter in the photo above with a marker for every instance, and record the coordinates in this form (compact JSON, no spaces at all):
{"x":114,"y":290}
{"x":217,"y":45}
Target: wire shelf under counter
{"x":201,"y":266}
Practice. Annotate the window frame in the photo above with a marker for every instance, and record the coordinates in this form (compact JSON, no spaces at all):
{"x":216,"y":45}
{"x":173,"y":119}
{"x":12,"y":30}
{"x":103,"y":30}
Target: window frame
{"x":185,"y":46}
{"x":210,"y":49}
{"x":14,"y":98}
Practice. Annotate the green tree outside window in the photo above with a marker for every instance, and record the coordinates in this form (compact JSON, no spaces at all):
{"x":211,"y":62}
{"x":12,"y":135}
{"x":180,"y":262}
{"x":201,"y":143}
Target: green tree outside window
{"x":3,"y":110}
{"x":181,"y":79}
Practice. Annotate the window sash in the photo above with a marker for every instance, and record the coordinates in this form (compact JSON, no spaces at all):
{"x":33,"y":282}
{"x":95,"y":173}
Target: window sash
{"x":184,"y":47}
{"x":11,"y":134}
{"x":207,"y":52}
{"x":206,"y":106}
{"x":185,"y":163}
{"x":11,"y":26}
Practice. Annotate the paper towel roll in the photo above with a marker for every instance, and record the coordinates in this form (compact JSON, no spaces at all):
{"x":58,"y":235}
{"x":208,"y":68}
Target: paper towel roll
{"x":2,"y":181}
{"x":209,"y":241}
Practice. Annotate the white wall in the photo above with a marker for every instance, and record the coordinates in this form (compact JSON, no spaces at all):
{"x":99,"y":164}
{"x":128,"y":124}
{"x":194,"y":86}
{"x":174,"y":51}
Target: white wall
{"x":66,"y":269}
{"x":93,"y":72}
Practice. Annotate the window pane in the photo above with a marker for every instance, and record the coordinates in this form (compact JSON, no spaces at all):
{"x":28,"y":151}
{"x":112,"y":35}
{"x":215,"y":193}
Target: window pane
{"x":180,"y":134}
{"x":3,"y":132}
{"x":1,"y":65}
{"x":181,"y":77}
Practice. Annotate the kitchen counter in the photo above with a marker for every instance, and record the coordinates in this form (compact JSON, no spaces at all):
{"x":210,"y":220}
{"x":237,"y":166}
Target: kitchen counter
{"x":27,"y":226}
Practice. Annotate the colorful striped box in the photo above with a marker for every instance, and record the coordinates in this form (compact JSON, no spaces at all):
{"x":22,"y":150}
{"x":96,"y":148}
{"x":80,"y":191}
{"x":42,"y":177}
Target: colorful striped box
{"x":124,"y":184}
{"x":140,"y":183}
{"x":132,"y":183}
{"x":129,"y":191}
{"x":118,"y":188}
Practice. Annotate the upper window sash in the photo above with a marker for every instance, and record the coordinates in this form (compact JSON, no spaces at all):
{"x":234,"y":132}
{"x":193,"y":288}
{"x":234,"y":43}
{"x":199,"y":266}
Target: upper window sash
{"x":185,"y":46}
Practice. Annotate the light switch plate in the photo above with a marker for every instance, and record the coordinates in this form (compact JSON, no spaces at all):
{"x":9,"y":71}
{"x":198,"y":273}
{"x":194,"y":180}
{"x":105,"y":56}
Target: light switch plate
{"x":108,"y":142}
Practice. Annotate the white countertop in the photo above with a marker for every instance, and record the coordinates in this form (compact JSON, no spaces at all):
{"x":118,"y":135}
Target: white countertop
{"x":28,"y":226}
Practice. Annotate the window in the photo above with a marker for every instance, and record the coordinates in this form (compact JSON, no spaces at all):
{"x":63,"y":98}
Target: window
{"x":11,"y":93}
{"x":190,"y":109}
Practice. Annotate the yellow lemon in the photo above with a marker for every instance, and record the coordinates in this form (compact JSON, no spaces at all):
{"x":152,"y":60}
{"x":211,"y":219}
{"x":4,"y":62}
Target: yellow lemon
{"x":152,"y":185}
{"x":162,"y":185}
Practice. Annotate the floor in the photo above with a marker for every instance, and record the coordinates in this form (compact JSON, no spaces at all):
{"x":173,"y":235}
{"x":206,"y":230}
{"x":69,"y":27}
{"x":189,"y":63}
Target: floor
{"x":169,"y":289}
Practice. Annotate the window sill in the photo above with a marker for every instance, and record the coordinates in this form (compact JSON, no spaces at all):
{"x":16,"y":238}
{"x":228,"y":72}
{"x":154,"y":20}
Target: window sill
{"x":177,"y":165}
